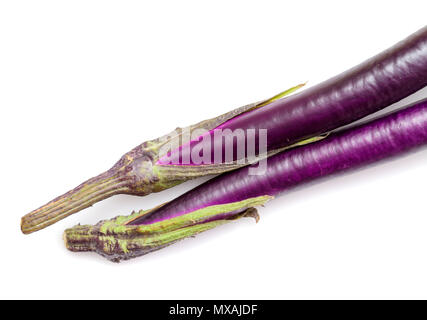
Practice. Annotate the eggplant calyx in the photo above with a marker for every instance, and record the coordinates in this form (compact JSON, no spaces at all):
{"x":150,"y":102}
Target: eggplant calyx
{"x":116,"y":240}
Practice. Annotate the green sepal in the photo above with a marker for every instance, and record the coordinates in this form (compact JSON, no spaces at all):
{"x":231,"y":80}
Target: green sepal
{"x":280,"y":95}
{"x":116,"y":240}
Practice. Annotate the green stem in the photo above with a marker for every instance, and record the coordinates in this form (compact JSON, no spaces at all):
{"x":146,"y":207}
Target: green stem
{"x":85,"y":195}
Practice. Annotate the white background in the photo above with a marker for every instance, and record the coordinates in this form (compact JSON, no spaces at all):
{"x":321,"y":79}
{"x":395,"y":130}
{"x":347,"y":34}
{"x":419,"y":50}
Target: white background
{"x":82,"y":82}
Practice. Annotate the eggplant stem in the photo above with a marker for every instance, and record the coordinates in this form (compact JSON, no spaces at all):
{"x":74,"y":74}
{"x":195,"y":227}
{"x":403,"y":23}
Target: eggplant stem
{"x":116,"y":240}
{"x":85,"y":195}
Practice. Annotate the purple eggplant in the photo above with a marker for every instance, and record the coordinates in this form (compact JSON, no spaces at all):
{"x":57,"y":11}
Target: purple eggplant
{"x":151,"y":167}
{"x":234,"y":194}
{"x":365,"y":89}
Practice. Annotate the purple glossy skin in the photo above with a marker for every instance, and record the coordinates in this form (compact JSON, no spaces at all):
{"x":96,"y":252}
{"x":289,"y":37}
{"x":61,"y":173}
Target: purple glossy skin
{"x":376,"y":140}
{"x":371,"y":86}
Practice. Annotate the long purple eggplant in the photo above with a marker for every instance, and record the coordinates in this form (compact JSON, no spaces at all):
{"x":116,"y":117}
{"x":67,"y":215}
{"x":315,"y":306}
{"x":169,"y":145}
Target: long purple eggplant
{"x":235,"y":194}
{"x":150,"y":167}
